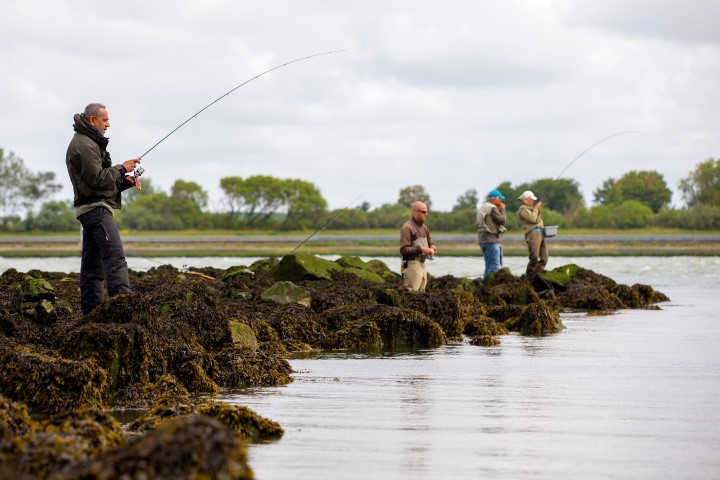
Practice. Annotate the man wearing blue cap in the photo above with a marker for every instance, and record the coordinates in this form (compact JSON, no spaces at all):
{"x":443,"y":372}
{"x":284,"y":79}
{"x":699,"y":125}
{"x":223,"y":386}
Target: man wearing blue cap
{"x":490,"y":226}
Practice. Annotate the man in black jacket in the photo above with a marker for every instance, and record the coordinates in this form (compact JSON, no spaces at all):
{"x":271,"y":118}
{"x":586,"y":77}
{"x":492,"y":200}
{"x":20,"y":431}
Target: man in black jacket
{"x":97,"y":185}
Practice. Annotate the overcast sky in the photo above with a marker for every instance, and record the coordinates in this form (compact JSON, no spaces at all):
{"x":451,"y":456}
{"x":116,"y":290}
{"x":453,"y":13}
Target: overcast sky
{"x":451,"y":94}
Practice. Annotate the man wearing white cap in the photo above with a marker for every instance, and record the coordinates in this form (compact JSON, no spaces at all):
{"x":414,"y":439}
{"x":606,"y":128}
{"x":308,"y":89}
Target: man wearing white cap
{"x":532,"y":223}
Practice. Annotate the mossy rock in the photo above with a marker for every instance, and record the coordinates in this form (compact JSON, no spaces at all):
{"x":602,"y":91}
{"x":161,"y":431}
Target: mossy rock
{"x":242,"y":334}
{"x":560,"y":277}
{"x":240,"y":270}
{"x":365,"y":274}
{"x":388,"y":296}
{"x":375,"y":266}
{"x":35,"y":289}
{"x":380,"y":267}
{"x":287,"y":292}
{"x":302,"y":266}
{"x":354,"y":262}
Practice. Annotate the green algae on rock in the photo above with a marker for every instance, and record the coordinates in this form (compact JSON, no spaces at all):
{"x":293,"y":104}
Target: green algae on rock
{"x":302,"y":266}
{"x":286,"y":292}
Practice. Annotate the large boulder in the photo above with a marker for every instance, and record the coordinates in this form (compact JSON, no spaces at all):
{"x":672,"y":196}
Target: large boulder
{"x":303,"y":266}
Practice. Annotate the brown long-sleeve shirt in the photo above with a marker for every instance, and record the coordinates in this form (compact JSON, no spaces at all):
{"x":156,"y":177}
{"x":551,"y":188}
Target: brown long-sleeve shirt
{"x":411,"y":234}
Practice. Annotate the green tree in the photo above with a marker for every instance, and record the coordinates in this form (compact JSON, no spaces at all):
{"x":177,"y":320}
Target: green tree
{"x":305,"y":204}
{"x":389,"y":216}
{"x":257,"y":198}
{"x":609,"y":193}
{"x":148,"y":188}
{"x":412,"y":194}
{"x":702,"y":185}
{"x":632,"y":214}
{"x":159,"y":211}
{"x":20,"y":188}
{"x":599,"y":216}
{"x":346,"y":219}
{"x":53,"y":216}
{"x":233,"y":187}
{"x":182,"y":189}
{"x":364,"y":206}
{"x":263,"y":197}
{"x":645,"y":186}
{"x":562,"y":195}
{"x":468,"y":200}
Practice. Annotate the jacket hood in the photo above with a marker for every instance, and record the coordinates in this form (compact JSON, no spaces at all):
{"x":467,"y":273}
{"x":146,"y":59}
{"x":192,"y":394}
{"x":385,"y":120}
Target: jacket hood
{"x":82,"y":126}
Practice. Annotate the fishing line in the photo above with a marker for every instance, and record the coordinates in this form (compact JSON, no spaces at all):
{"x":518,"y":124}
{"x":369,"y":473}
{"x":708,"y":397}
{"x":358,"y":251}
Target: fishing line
{"x":598,"y":142}
{"x":231,"y":91}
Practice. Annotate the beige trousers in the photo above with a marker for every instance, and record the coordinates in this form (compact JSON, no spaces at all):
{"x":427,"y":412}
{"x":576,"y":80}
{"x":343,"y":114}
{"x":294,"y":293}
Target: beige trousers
{"x":538,"y":253}
{"x":414,"y":275}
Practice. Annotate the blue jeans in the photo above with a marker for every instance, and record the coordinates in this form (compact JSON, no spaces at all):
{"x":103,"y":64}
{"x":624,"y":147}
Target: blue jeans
{"x":492,"y":252}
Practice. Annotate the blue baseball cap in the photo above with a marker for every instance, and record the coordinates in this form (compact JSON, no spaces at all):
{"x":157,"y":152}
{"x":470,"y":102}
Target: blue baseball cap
{"x":496,"y":193}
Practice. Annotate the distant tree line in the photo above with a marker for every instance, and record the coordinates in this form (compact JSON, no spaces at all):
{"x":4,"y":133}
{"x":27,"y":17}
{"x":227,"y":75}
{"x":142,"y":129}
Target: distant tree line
{"x":637,"y":199}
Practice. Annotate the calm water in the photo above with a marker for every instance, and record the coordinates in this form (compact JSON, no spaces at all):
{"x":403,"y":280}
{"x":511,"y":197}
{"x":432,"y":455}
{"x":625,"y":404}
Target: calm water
{"x":630,"y":395}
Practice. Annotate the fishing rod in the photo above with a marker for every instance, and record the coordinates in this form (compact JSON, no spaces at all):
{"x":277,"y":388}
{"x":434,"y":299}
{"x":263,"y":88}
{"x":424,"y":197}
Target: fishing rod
{"x":311,"y":235}
{"x":231,"y":91}
{"x":597,"y":143}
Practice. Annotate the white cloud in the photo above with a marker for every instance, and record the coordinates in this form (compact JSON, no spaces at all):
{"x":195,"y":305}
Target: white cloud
{"x":452,"y":95}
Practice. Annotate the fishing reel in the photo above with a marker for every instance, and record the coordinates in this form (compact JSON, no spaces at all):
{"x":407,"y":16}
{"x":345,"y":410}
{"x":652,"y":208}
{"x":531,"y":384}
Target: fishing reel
{"x":138,"y":171}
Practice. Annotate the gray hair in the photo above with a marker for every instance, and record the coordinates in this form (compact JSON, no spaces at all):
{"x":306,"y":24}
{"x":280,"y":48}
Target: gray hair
{"x":92,"y":109}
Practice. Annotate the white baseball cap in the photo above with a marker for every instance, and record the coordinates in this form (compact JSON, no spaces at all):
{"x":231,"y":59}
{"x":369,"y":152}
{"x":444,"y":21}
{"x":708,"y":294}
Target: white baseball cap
{"x":527,"y":194}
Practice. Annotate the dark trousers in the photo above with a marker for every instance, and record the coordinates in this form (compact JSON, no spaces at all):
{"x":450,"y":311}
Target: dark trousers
{"x":103,"y":259}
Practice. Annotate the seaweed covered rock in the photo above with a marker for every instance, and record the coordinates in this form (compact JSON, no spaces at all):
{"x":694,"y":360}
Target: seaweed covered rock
{"x":376,"y":327}
{"x":536,"y":319}
{"x":193,"y":446}
{"x":484,"y":327}
{"x":48,"y":383}
{"x":450,"y":308}
{"x":246,"y":423}
{"x":42,"y":448}
{"x":243,"y":367}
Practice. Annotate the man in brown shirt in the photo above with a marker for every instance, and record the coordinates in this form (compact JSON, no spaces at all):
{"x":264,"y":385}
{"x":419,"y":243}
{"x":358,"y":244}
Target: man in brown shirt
{"x":416,"y":246}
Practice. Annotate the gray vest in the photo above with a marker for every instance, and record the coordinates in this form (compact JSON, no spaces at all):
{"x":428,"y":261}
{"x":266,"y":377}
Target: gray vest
{"x":485,"y":222}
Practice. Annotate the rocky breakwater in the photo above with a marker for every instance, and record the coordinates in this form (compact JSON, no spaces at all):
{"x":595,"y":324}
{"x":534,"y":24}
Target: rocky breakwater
{"x":182,"y":337}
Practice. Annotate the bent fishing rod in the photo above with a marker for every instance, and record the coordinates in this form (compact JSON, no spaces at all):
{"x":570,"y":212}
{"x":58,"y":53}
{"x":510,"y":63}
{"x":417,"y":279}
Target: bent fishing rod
{"x":231,"y":91}
{"x":597,"y":143}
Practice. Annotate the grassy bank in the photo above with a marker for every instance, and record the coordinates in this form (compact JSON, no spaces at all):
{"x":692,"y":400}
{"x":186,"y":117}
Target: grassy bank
{"x":646,"y":242}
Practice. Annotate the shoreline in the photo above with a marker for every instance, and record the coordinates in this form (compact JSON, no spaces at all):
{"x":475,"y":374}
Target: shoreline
{"x":362,"y":244}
